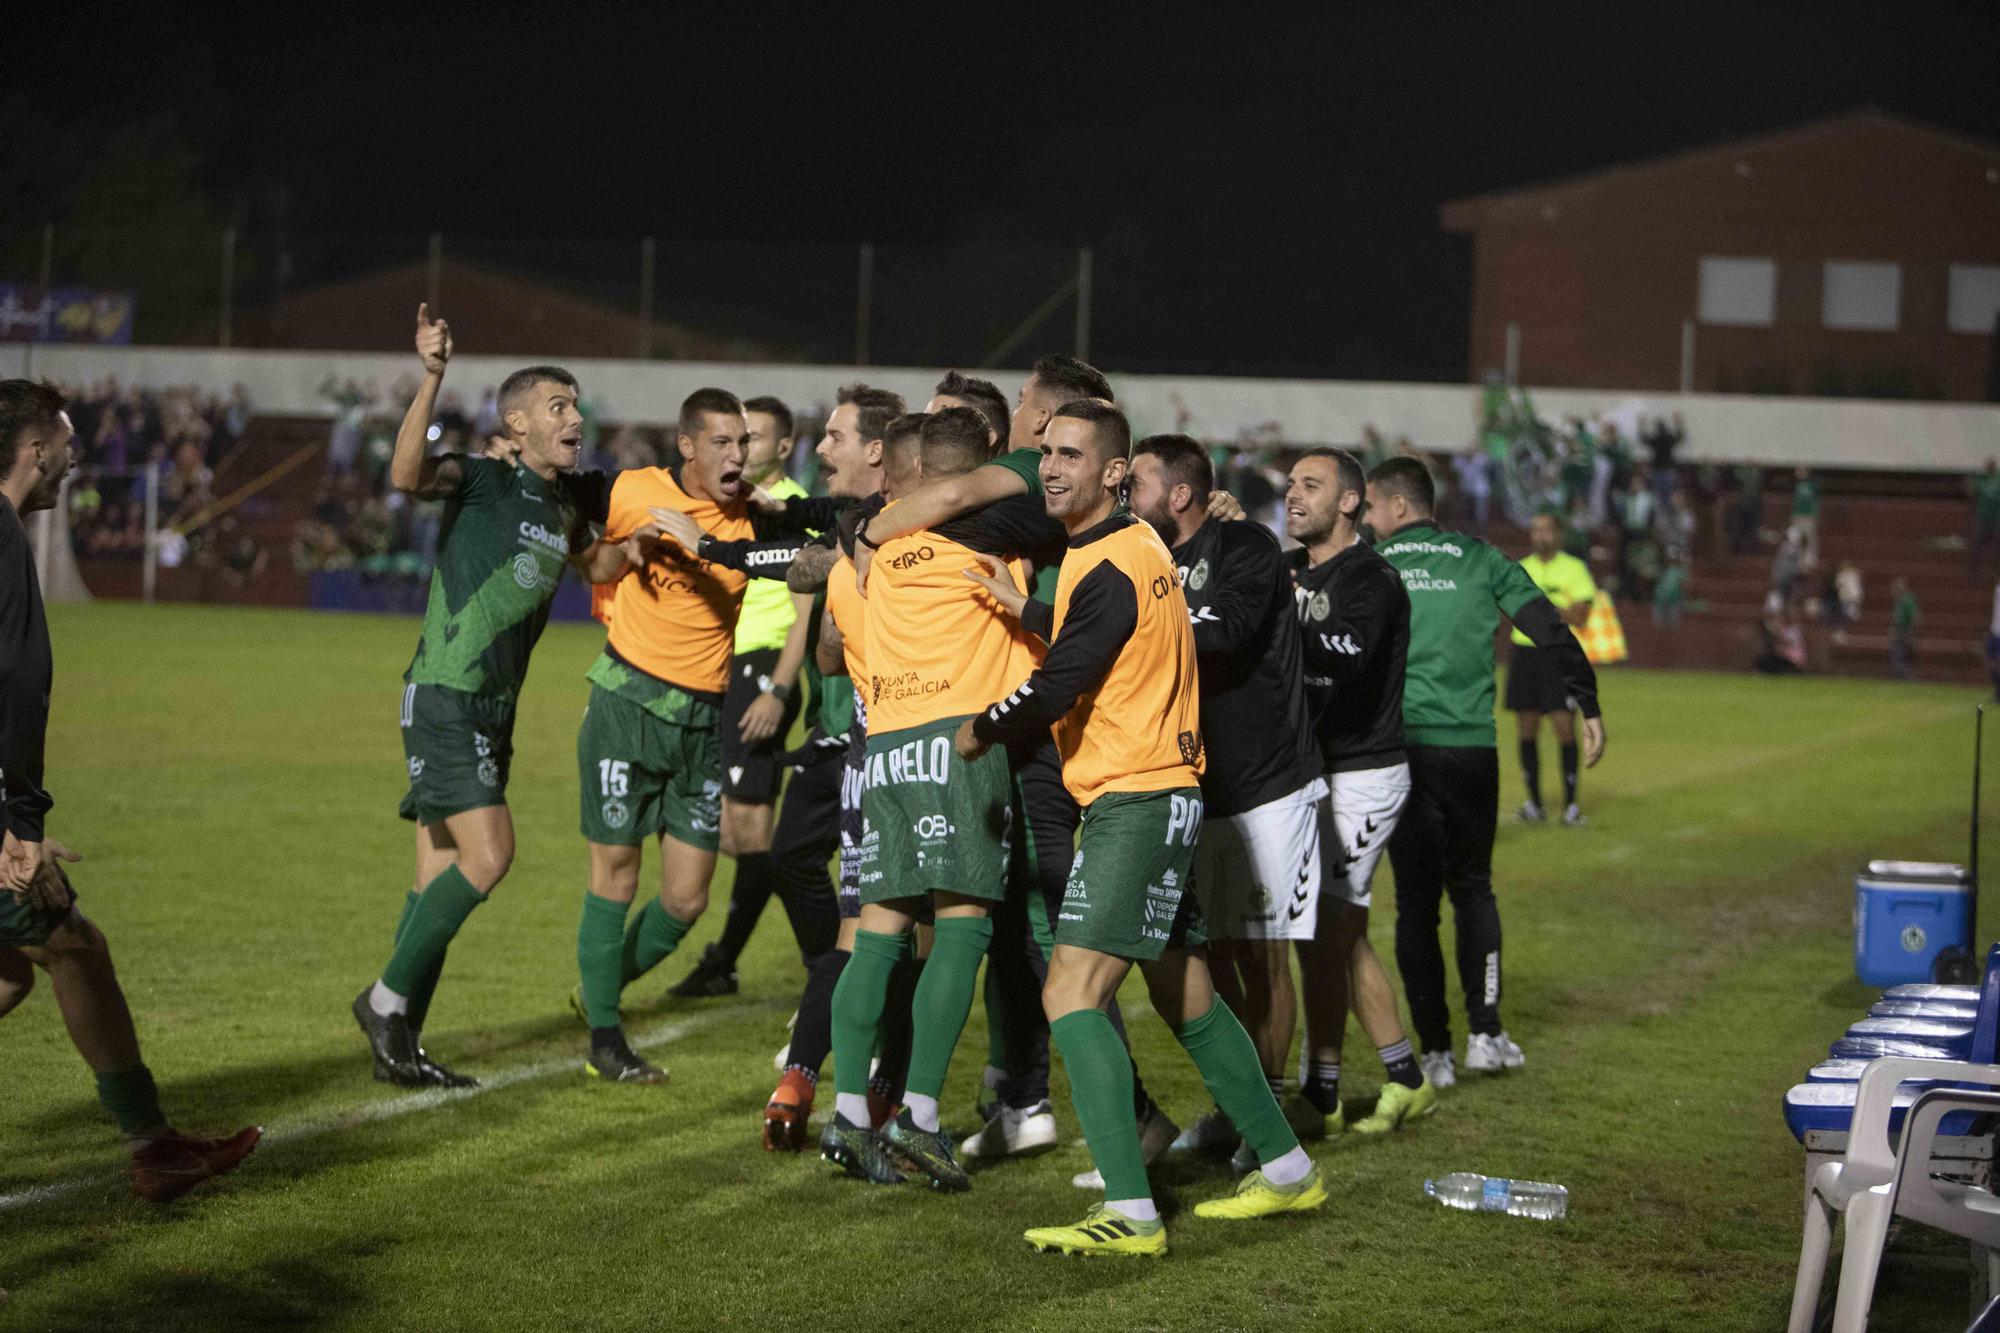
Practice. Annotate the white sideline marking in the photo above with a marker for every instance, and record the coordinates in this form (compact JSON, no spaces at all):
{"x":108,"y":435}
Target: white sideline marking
{"x":372,"y":1112}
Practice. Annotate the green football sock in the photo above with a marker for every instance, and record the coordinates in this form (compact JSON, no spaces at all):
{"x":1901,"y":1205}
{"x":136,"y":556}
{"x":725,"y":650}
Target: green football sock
{"x":653,"y":934}
{"x":446,"y":902}
{"x":1227,"y":1059}
{"x":410,"y":901}
{"x":857,"y":1006}
{"x":419,"y":998}
{"x":1100,"y":1083}
{"x":944,"y":998}
{"x":600,"y":952}
{"x":132,"y":1099}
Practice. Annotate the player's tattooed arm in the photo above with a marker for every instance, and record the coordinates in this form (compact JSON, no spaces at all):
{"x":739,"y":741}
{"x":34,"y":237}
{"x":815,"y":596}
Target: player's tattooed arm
{"x":410,"y":471}
{"x":809,"y":568}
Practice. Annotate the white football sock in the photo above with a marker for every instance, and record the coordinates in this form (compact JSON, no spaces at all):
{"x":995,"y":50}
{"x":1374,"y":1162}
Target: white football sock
{"x":1139,"y":1210}
{"x":852,"y":1107}
{"x":1290,"y":1169}
{"x":923,"y":1110}
{"x":385,"y":1001}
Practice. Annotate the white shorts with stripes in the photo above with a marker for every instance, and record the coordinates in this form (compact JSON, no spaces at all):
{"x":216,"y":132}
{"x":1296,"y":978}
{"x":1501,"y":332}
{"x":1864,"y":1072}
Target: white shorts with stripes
{"x":1258,"y":874}
{"x":1366,"y":805}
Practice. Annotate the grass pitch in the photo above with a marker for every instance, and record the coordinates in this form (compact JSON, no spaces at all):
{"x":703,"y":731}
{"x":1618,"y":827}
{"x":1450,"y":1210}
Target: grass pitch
{"x":232,"y":778}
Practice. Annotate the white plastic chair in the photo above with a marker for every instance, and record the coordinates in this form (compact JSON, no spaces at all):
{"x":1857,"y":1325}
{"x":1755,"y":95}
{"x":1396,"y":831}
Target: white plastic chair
{"x":1863,"y":1185}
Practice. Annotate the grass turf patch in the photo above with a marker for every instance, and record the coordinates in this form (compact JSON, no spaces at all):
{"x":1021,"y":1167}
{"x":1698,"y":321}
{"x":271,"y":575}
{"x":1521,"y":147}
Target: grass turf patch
{"x":232,"y":778}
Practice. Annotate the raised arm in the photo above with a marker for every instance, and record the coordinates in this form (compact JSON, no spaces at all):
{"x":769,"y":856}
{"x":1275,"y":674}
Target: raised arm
{"x":410,"y":470}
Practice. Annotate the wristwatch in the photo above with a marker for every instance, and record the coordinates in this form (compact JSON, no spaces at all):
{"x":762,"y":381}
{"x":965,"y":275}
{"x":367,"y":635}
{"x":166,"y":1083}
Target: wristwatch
{"x":782,"y":693}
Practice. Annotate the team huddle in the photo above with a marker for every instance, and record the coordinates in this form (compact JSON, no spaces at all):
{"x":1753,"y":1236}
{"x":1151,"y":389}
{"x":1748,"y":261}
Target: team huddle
{"x":1067,"y":713}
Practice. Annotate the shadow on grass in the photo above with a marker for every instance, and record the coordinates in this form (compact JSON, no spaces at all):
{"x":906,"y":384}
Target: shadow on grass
{"x":315,"y":1286}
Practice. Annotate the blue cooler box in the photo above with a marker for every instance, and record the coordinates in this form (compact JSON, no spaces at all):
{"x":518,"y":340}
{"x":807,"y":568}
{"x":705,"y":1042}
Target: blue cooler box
{"x":1905,"y":914}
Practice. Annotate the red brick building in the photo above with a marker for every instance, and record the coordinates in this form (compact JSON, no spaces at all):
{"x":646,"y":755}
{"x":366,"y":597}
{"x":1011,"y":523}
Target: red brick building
{"x":1854,"y":256}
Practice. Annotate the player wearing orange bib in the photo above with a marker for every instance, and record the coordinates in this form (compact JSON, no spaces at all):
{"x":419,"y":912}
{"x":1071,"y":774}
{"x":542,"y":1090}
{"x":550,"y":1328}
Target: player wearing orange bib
{"x":649,"y":751}
{"x":937,"y":651}
{"x":1119,"y":687}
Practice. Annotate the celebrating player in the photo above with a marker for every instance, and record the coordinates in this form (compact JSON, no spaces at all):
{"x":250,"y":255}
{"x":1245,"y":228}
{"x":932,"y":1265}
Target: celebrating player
{"x":1020,"y":1119}
{"x":1534,"y":678}
{"x":1261,"y":860}
{"x":942,"y":825}
{"x":1459,"y":587}
{"x":508,"y":530}
{"x":1356,"y":621}
{"x":758,"y":710}
{"x":40,"y":923}
{"x":1119,"y":688}
{"x":649,"y":753}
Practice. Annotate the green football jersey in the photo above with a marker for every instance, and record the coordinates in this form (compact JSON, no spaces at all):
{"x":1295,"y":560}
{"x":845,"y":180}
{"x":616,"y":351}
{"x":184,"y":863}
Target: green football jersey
{"x":504,"y":541}
{"x":1027,"y":465}
{"x":1459,"y":588}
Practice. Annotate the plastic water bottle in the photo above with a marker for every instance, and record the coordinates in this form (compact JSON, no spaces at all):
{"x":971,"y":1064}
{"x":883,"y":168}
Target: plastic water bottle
{"x":1497,"y":1194}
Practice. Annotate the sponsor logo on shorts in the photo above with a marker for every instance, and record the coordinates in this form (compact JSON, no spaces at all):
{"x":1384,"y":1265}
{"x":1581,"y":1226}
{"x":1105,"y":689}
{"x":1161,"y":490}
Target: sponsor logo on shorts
{"x":615,"y":813}
{"x":416,"y":767}
{"x":481,"y":746}
{"x":489,"y":772}
{"x":912,"y":761}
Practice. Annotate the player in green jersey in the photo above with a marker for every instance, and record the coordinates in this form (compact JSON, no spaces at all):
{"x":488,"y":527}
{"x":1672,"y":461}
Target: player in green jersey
{"x":508,"y":531}
{"x":1459,"y":588}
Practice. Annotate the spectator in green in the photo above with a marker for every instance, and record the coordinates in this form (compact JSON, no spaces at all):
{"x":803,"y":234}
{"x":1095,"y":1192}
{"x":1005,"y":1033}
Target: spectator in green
{"x":1669,"y":594}
{"x":1805,"y":514}
{"x":1984,"y":487}
{"x":1903,"y":632}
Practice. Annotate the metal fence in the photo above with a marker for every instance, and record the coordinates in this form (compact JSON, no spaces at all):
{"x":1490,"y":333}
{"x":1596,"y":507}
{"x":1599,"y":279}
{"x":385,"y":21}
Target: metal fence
{"x":646,"y":297}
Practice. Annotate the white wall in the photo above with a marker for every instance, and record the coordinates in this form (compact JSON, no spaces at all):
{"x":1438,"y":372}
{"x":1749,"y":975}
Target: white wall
{"x":1828,"y":432}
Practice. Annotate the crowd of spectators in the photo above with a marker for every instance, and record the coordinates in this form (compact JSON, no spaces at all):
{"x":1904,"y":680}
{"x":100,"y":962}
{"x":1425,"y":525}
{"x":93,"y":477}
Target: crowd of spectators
{"x":122,"y":431}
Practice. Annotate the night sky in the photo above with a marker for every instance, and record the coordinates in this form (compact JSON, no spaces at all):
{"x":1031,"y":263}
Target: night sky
{"x":1262,"y":194}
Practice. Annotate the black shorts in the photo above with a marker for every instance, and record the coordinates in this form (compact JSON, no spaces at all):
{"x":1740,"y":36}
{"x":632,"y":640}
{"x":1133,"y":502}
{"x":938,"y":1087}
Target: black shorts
{"x":1534,"y":682}
{"x":752,"y":772}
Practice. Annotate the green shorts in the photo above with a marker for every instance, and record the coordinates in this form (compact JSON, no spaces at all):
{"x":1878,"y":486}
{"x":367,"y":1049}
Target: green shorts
{"x":1128,"y":887}
{"x":459,"y":747}
{"x":24,"y":925}
{"x":940,"y":823}
{"x":643,"y":773}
